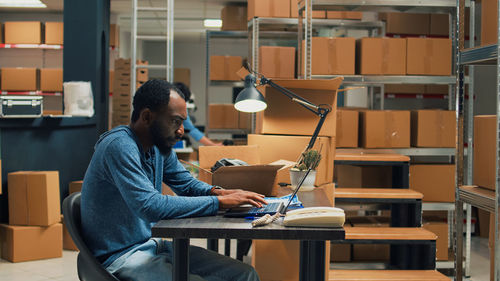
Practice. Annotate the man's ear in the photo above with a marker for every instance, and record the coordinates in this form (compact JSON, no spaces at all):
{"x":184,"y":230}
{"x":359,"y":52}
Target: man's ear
{"x":146,"y":116}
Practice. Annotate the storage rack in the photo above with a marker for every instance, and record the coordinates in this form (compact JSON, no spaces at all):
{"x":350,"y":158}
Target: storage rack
{"x":423,"y":6}
{"x":465,"y":193}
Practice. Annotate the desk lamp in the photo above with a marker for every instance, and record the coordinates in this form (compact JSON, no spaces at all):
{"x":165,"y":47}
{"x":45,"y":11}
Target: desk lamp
{"x":251,"y":100}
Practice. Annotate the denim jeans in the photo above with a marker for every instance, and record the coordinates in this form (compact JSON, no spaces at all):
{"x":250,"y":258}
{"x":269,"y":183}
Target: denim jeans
{"x":152,"y":261}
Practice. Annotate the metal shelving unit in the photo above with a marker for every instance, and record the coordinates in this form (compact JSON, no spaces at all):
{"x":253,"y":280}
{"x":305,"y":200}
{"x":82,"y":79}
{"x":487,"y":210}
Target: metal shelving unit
{"x":466,"y":193}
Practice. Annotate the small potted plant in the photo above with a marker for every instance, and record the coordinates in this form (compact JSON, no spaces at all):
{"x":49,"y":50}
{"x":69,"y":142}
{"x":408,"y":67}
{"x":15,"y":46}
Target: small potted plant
{"x":309,"y":159}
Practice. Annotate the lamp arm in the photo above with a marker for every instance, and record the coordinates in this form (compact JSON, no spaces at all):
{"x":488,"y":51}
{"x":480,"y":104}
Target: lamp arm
{"x":300,"y":100}
{"x":322,"y":112}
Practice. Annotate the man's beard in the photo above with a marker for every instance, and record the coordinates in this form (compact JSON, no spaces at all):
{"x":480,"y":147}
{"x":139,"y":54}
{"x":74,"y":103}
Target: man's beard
{"x":164,"y":143}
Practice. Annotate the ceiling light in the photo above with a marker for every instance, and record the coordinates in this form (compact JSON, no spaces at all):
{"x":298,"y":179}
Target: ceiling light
{"x":22,"y":4}
{"x":212,"y":23}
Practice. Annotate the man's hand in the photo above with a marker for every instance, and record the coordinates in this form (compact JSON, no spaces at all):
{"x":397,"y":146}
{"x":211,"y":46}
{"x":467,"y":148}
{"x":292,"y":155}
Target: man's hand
{"x":229,"y":198}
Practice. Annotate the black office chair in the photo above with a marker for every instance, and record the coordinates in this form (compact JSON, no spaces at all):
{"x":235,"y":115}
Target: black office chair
{"x":89,"y":269}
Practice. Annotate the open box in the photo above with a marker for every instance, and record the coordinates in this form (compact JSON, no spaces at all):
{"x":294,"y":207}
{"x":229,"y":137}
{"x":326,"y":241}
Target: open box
{"x":255,"y":177}
{"x":286,"y":117}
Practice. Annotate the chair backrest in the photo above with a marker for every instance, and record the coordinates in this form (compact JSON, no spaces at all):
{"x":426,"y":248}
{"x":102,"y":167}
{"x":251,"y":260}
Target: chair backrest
{"x":88,"y":266}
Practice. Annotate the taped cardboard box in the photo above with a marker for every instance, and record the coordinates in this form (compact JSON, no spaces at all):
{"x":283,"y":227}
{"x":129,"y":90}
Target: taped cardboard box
{"x":183,"y":75}
{"x":363,"y":176}
{"x":384,"y":128}
{"x":23,"y":32}
{"x":435,"y":182}
{"x":27,"y":243}
{"x":340,"y":252}
{"x":268,"y":9}
{"x":294,"y":11}
{"x":385,"y":56}
{"x":68,"y":243}
{"x":273,"y":147}
{"x":484,"y":151}
{"x":489,"y":22}
{"x":277,"y":62}
{"x":433,"y":128}
{"x":114,"y":35}
{"x":332,"y":56}
{"x":348,"y":15}
{"x":255,"y":177}
{"x":51,"y":79}
{"x":53,"y":104}
{"x":34,"y":198}
{"x":54,"y":33}
{"x":439,"y":228}
{"x":279,"y":259}
{"x":286,"y":117}
{"x":124,"y":64}
{"x":234,"y":17}
{"x":347,"y":128}
{"x":406,"y":23}
{"x":75,"y":186}
{"x":19,"y":79}
{"x":404,"y":89}
{"x":225,"y":67}
{"x":428,"y":56}
{"x":222,"y":116}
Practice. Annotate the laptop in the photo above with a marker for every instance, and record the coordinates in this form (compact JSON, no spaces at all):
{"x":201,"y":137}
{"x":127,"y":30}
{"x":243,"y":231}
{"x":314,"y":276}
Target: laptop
{"x":271,"y":208}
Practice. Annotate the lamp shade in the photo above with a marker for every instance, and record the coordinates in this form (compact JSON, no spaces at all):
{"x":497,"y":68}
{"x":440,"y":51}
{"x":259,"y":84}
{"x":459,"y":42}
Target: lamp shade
{"x":250,"y":99}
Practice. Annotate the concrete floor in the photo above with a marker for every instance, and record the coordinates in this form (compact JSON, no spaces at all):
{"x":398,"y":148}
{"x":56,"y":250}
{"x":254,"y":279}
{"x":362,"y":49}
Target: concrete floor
{"x":64,"y":269}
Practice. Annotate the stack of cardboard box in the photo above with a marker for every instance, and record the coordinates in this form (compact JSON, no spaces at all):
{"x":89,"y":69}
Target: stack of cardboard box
{"x":34,"y":230}
{"x":122,"y":98}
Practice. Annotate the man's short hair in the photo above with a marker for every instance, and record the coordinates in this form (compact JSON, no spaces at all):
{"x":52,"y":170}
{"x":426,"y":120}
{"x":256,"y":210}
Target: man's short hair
{"x":154,"y":94}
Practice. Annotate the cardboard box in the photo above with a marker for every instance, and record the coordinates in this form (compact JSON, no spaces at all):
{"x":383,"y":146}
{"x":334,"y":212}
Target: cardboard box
{"x":363,"y":176}
{"x":406,"y":23}
{"x":272,"y":148}
{"x":75,"y":186}
{"x":347,"y":128}
{"x":51,"y":79}
{"x":23,"y":32}
{"x":489,"y":22}
{"x":441,"y":230}
{"x":385,"y":56}
{"x":439,"y":25}
{"x":484,"y":151}
{"x":435,"y":182}
{"x":124,"y":64}
{"x":340,"y":252}
{"x":332,"y":56}
{"x":294,"y":11}
{"x":34,"y":198}
{"x":54,"y":33}
{"x":483,"y":219}
{"x":384,"y":128}
{"x":268,"y":9}
{"x":114,"y":35}
{"x":234,"y":17}
{"x":284,"y":116}
{"x":348,"y":15}
{"x":183,"y":75}
{"x":53,"y":104}
{"x":225,"y":67}
{"x":428,"y":56}
{"x":277,"y":62}
{"x":433,"y":128}
{"x":19,"y":79}
{"x":28,"y":243}
{"x":67,"y":241}
{"x":255,"y":177}
{"x":222,"y":116}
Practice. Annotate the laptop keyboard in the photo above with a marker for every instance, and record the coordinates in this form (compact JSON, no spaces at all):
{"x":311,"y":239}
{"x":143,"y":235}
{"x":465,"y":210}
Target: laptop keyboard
{"x":269,"y":208}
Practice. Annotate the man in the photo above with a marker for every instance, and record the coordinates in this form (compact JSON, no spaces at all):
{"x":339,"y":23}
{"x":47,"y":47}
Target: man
{"x":122,"y":199}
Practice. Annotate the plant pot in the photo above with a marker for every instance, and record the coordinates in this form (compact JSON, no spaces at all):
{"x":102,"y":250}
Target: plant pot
{"x":296,"y":176}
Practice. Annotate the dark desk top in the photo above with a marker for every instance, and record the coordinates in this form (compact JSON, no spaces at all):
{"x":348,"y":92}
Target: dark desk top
{"x":238,"y":228}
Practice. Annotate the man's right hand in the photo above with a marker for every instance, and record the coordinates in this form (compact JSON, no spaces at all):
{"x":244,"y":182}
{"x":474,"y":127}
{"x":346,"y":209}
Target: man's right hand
{"x":240,"y":197}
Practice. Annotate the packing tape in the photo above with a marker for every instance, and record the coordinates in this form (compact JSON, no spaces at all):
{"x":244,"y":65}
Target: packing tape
{"x":428,"y":55}
{"x":385,"y":55}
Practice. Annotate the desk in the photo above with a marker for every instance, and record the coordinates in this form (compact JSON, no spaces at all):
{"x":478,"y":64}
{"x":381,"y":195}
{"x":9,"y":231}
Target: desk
{"x":312,"y":246}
